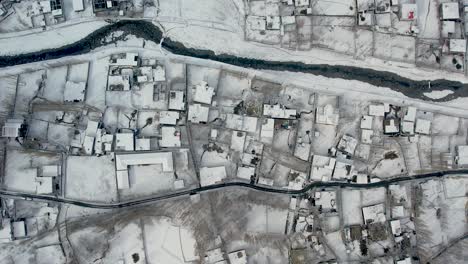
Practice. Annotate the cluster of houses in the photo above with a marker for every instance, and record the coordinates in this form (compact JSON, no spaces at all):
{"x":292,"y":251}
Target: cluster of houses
{"x":17,"y":222}
{"x":50,"y":12}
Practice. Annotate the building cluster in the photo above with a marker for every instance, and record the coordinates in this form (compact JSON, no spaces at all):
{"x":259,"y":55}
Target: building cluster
{"x":20,"y":219}
{"x":261,"y":138}
{"x":44,"y":13}
{"x":307,"y":24}
{"x":219,"y":256}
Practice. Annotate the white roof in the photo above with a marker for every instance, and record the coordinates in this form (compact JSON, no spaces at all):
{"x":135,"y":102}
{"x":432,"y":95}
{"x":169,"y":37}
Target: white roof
{"x":170,"y":137}
{"x":114,"y":81}
{"x":91,"y":128}
{"x":398,"y":211}
{"x":407,"y":127}
{"x":238,"y":140}
{"x":122,"y":161}
{"x":396,"y":227}
{"x":268,"y":129}
{"x":243,"y":123}
{"x":51,"y":170}
{"x":123,"y":182}
{"x":410,"y":114}
{"x":198,"y":113}
{"x":237,"y":257}
{"x":127,"y":59}
{"x":343,"y":170}
{"x":278,"y":111}
{"x":457,"y":45}
{"x":124,"y":142}
{"x":377,"y":110}
{"x":450,"y":10}
{"x":322,"y":168}
{"x":245,"y":172}
{"x":327,"y":115}
{"x":12,"y":128}
{"x":142,"y":79}
{"x":366,"y":122}
{"x":214,"y":256}
{"x":88,"y":145}
{"x":404,"y":261}
{"x":74,"y":91}
{"x":19,"y":229}
{"x":159,"y":73}
{"x":78,"y":5}
{"x":45,"y":6}
{"x":57,"y":12}
{"x":361,"y":178}
{"x":366,"y":136}
{"x":203,"y":93}
{"x":347,"y":144}
{"x":168,"y":117}
{"x":5,"y":230}
{"x":142,"y":144}
{"x":448,"y":27}
{"x":286,"y":20}
{"x":210,"y":176}
{"x":374,"y":213}
{"x":176,"y":100}
{"x":273,"y":22}
{"x":462,"y":155}
{"x":423,"y":126}
{"x":365,"y":19}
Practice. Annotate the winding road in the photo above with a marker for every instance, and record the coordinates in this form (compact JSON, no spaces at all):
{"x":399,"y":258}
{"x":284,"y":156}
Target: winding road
{"x":268,"y":189}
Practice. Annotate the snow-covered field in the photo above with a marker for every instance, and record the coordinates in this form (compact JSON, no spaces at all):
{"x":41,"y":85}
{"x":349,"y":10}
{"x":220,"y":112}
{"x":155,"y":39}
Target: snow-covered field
{"x":168,"y":243}
{"x":54,"y":38}
{"x":91,"y":178}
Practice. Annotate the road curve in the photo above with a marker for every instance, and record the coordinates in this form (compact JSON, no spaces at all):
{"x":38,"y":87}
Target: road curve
{"x":267,"y":189}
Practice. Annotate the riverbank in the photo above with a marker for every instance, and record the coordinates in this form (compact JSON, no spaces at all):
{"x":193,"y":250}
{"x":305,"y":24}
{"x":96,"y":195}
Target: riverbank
{"x":148,"y":31}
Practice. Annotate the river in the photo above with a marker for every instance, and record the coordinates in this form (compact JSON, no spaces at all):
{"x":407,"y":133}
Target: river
{"x":149,"y":31}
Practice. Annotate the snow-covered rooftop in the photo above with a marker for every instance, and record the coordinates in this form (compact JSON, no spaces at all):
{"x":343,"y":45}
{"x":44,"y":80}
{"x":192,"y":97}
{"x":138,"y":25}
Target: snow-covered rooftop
{"x":74,"y":91}
{"x":176,"y":100}
{"x":278,"y":111}
{"x":450,"y":10}
{"x":170,"y":137}
{"x":203,"y":93}
{"x":327,"y":115}
{"x":198,"y":113}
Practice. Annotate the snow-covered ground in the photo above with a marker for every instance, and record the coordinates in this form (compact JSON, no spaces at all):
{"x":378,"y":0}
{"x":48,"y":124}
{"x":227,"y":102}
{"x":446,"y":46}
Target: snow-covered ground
{"x":218,"y":26}
{"x":52,"y":38}
{"x":21,"y":168}
{"x":91,"y":178}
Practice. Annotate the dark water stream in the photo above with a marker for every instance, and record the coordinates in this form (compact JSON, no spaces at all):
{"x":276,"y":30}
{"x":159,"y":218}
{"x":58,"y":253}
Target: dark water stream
{"x":151,"y":32}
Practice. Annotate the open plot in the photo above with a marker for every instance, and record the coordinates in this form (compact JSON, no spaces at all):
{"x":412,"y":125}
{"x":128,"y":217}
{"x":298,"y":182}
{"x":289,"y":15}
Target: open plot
{"x":395,"y":47}
{"x":87,"y":177}
{"x":7,"y":96}
{"x":337,"y":38}
{"x":28,"y":87}
{"x":265,"y":219}
{"x":55,"y":84}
